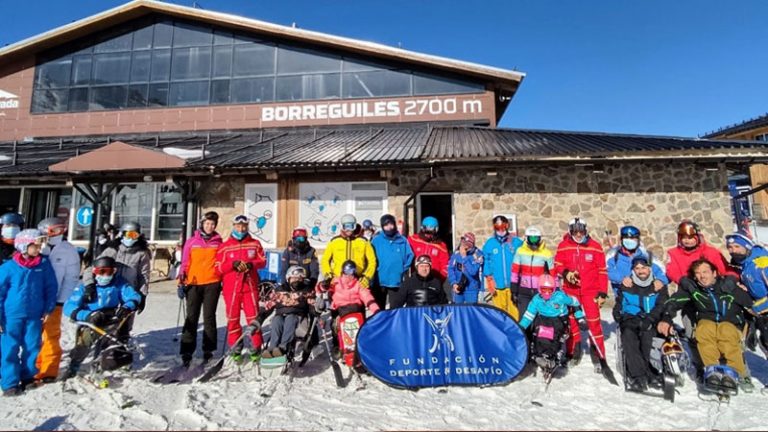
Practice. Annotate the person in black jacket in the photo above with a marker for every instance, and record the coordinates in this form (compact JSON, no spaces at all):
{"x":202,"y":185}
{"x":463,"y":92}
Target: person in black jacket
{"x":300,"y":253}
{"x":422,"y":288}
{"x":720,"y":306}
{"x":291,"y":305}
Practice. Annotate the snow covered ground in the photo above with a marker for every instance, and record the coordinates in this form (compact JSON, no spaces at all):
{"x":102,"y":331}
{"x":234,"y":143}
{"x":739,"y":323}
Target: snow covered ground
{"x":580,"y":400}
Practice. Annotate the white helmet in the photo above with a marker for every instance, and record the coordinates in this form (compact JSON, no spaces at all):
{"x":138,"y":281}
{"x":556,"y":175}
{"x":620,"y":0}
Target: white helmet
{"x":532,"y":231}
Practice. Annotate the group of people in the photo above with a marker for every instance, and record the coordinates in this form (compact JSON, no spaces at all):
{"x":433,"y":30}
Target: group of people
{"x":554,"y":295}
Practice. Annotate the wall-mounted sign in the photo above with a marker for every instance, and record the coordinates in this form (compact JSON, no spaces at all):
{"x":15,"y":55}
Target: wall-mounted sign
{"x":8,"y":100}
{"x":261,"y":209}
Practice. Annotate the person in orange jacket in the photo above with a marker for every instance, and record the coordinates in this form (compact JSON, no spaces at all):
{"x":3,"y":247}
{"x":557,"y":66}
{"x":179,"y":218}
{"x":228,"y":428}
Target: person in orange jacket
{"x":237,"y":261}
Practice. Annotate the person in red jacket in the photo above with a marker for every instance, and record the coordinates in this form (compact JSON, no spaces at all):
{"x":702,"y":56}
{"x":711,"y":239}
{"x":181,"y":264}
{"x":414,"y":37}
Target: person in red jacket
{"x":692,"y":247}
{"x":581,"y":262}
{"x":426,"y":242}
{"x":237,"y":261}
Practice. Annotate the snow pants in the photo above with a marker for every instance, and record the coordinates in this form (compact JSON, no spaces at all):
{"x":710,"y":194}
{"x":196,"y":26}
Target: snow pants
{"x":241,"y":298}
{"x":205,"y":298}
{"x":636,"y":345}
{"x":50,"y":351}
{"x":713,"y":340}
{"x":20,"y":346}
{"x":502,"y":299}
{"x":592,"y":314}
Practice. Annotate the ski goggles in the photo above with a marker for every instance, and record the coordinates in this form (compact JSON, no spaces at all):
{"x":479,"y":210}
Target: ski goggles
{"x":103,"y":271}
{"x":133,"y":235}
{"x":534,"y":240}
{"x":300,"y":239}
{"x":501,"y":226}
{"x":348,"y":226}
{"x":55,"y":230}
{"x":240,"y":219}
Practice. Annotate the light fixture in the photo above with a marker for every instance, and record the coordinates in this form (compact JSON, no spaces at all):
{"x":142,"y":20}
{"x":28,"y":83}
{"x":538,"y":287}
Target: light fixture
{"x":147,"y":178}
{"x":491,"y":173}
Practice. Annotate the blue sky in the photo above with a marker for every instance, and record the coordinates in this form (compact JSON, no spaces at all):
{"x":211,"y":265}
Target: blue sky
{"x":680,"y":67}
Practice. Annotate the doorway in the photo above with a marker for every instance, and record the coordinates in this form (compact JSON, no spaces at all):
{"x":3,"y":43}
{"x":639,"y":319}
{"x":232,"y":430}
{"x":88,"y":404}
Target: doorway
{"x":440,"y":206}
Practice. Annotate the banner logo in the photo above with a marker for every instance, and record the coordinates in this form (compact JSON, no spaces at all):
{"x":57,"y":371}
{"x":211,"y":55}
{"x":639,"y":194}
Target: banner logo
{"x":439,"y":333}
{"x":8,"y":100}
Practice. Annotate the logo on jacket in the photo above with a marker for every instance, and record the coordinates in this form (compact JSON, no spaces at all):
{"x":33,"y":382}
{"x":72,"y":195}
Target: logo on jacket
{"x":440,"y":332}
{"x":251,"y":254}
{"x":589,"y":257}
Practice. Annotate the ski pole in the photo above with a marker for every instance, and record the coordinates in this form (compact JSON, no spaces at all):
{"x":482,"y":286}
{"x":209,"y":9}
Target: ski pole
{"x":178,"y":320}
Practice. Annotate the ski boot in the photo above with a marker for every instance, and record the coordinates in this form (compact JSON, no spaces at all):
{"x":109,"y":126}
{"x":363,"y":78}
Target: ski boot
{"x":745,"y":384}
{"x":637,"y":384}
{"x":596,"y":361}
{"x":575,"y":358}
{"x":728,"y":383}
{"x":13,"y":391}
{"x":237,"y":357}
{"x":255,"y":356}
{"x":186,"y":361}
{"x":207,"y":356}
{"x":656,"y":382}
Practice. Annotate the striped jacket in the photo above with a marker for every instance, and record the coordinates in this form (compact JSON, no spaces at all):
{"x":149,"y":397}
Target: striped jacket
{"x":528,"y":265}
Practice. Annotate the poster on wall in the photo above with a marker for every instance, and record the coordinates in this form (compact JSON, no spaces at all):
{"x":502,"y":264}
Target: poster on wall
{"x":321,"y":205}
{"x":261,"y":209}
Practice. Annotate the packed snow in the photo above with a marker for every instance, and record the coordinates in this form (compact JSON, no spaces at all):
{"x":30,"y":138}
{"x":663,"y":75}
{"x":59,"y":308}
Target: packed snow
{"x":311,"y":401}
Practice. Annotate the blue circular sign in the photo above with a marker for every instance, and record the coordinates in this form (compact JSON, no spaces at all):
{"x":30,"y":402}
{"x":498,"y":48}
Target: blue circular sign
{"x":84,"y":216}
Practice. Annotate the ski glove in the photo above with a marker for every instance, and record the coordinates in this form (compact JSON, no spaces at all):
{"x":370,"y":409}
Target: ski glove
{"x":97,"y":318}
{"x":572,"y":277}
{"x":600,"y":298}
{"x":89,"y":293}
{"x":122,"y":312}
{"x":490,"y":285}
{"x":646,"y":324}
{"x":583,"y":326}
{"x":181,"y":291}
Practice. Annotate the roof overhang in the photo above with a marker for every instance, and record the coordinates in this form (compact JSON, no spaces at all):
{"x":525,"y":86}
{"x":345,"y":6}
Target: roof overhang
{"x":118,"y":156}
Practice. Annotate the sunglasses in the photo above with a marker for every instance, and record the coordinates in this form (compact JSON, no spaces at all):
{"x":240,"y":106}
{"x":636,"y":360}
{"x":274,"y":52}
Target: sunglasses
{"x":133,"y":235}
{"x":103,"y":271}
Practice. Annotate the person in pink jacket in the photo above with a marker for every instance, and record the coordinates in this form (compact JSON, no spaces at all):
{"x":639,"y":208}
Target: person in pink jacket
{"x":347,"y":295}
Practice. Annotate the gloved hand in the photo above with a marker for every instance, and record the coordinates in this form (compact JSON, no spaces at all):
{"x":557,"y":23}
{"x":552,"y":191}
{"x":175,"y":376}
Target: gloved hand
{"x":490,"y":285}
{"x":600,"y":298}
{"x":239,"y":266}
{"x":572,"y":277}
{"x":89,"y":293}
{"x":181,"y":291}
{"x":365,"y":282}
{"x":97,"y":318}
{"x":251,"y":328}
{"x":325,"y":284}
{"x":646,"y":324}
{"x":583,"y":326}
{"x":122,"y":312}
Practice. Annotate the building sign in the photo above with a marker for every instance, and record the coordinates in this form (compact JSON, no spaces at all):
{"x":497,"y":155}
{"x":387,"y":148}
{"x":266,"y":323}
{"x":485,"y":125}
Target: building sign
{"x":8,"y":100}
{"x":261,"y":209}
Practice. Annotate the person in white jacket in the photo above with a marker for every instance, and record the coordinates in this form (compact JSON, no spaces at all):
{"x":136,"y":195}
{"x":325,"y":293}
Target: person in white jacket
{"x":66,"y":265}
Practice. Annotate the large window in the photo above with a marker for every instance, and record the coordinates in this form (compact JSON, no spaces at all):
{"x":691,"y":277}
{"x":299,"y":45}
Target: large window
{"x":162,"y":62}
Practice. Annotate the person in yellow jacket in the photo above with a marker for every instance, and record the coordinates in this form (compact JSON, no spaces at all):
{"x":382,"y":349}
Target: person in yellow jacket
{"x":348,"y":247}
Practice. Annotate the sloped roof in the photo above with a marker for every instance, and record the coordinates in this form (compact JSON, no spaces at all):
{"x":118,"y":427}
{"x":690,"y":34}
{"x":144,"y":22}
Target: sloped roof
{"x":754,"y":123}
{"x":118,"y":156}
{"x":138,"y":8}
{"x":389,"y":146}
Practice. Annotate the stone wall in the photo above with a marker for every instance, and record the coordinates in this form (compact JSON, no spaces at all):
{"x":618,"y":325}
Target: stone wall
{"x":653,"y":196}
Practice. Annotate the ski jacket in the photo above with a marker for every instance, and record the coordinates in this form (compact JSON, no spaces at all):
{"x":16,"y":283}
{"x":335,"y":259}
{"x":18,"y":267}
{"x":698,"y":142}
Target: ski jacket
{"x":393,"y":257}
{"x":724,"y":301}
{"x":133,"y":265}
{"x":420,"y":291}
{"x":344,"y":295}
{"x":436,"y":250}
{"x":341,"y":249}
{"x":680,"y":259}
{"x":754,"y":274}
{"x":469,"y":266}
{"x":293,"y":301}
{"x":247,"y":250}
{"x":637,"y":301}
{"x":618,"y":262}
{"x":198,"y":260}
{"x":588,"y":259}
{"x":307,"y":259}
{"x":499,"y":255}
{"x":529,"y":264}
{"x":26,"y":292}
{"x":556,"y":306}
{"x":66,"y":265}
{"x":6,"y":251}
{"x":117,"y":293}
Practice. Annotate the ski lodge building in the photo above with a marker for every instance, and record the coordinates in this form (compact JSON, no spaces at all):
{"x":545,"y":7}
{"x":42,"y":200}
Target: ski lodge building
{"x":154,"y":112}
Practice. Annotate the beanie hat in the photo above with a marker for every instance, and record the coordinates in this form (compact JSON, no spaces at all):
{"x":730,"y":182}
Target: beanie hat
{"x":739,"y":239}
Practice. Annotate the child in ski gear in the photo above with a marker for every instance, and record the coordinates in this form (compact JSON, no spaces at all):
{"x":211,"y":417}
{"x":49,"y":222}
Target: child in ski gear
{"x":200,"y":285}
{"x":426,"y":242}
{"x":531,"y":260}
{"x":498,"y":254}
{"x":27,"y":297}
{"x":423,"y":288}
{"x":348,"y":246}
{"x":464,"y":270}
{"x":692,"y":247}
{"x":114,"y":301}
{"x":581,"y":262}
{"x":548,"y":312}
{"x":300,"y":253}
{"x":632,"y":312}
{"x":66,"y":266}
{"x":619,"y":261}
{"x":393,"y":257}
{"x":238,"y":260}
{"x":719,"y":305}
{"x":291,"y":298}
{"x":347,"y":294}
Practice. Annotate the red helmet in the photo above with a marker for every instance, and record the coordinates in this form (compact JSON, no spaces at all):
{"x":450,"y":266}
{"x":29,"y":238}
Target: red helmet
{"x":688,"y":229}
{"x":546,"y":286}
{"x":299,"y":232}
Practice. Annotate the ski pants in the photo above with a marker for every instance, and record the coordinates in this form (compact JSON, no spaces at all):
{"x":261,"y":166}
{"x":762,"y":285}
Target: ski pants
{"x":720,"y":339}
{"x":379,"y":294}
{"x":241,"y":298}
{"x":636,"y":347}
{"x":283,"y":331}
{"x":545,"y":347}
{"x":592,"y":314}
{"x":524,"y":297}
{"x":20,"y":346}
{"x":395,"y":297}
{"x":50,"y":351}
{"x":502,"y":299}
{"x":467,"y":297}
{"x":205,"y":297}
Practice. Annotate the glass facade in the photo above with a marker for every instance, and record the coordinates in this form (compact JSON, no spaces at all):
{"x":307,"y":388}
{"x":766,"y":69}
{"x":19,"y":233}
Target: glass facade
{"x":162,"y":62}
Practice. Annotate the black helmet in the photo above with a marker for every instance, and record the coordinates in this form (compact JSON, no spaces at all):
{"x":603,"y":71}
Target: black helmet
{"x":104,"y":262}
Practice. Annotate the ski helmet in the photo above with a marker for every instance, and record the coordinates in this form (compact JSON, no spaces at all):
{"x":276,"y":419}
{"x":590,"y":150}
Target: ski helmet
{"x":240,"y":219}
{"x":500,"y":223}
{"x":104,"y":262}
{"x":367,"y":224}
{"x":546,"y":286}
{"x":423,"y":259}
{"x":299,"y":232}
{"x":27,"y":237}
{"x":130,"y":227}
{"x":688,"y":229}
{"x":295,"y":272}
{"x":533,"y":236}
{"x":430,"y":224}
{"x":349,"y":267}
{"x":577,"y":225}
{"x":348,"y":222}
{"x":104,"y":270}
{"x":52,"y":226}
{"x":629,"y":231}
{"x":12,"y":219}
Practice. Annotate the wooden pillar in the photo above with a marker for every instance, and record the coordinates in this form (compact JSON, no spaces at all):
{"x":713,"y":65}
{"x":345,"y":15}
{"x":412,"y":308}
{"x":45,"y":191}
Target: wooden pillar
{"x":287,"y":208}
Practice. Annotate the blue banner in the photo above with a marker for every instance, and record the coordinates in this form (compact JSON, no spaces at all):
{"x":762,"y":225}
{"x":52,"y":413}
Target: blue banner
{"x":435,"y":346}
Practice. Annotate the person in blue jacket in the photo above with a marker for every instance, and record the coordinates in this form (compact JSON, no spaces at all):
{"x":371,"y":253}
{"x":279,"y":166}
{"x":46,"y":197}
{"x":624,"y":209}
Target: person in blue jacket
{"x":28,"y":289}
{"x":498,"y":252}
{"x":393,"y":258}
{"x":618,"y":261}
{"x":113,"y":300}
{"x":464,"y":270}
{"x":752,"y":259}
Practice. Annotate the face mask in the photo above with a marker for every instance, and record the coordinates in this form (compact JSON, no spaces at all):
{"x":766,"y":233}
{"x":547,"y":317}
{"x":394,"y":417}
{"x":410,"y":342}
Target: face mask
{"x":103,"y":280}
{"x":629,"y":244}
{"x":10,"y":232}
{"x":737,"y":258}
{"x":389,"y":232}
{"x":582,"y":241}
{"x":56,"y":240}
{"x":501,"y":233}
{"x":128,"y":242}
{"x":238,"y":235}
